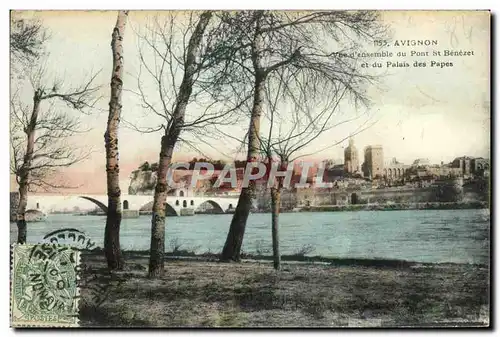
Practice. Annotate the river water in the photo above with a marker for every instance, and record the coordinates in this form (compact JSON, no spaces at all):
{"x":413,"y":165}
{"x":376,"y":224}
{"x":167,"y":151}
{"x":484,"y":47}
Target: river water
{"x":460,"y":236}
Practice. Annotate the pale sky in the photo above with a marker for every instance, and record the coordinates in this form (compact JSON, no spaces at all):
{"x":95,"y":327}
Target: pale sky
{"x":431,"y":113}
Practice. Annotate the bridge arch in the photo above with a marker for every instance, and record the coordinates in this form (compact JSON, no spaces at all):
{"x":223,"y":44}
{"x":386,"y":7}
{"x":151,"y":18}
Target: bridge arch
{"x":97,"y":202}
{"x":149,"y":208}
{"x":217,"y":207}
{"x":169,"y":210}
{"x":354,"y":199}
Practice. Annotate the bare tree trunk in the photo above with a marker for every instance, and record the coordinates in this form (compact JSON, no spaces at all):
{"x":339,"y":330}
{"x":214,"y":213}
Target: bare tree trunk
{"x":24,"y":175}
{"x":114,"y":216}
{"x":234,"y":240}
{"x":21,"y":210}
{"x":168,"y":141}
{"x":275,"y":204}
{"x":157,"y":247}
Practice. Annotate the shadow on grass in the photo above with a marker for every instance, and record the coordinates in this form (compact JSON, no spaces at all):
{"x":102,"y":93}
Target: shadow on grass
{"x":193,"y":293}
{"x":91,"y":316}
{"x":187,"y":256}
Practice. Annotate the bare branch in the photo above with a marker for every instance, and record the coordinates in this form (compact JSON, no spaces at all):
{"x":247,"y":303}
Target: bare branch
{"x":214,"y":95}
{"x":41,"y":131}
{"x":78,"y":98}
{"x":27,"y":39}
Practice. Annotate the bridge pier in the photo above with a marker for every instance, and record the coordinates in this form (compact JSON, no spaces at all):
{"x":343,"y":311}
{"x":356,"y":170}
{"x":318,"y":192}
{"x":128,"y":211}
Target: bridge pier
{"x":130,"y":214}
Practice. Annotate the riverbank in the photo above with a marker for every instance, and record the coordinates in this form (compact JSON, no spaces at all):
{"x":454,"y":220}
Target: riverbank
{"x":203,"y":293}
{"x":337,"y":208}
{"x":398,"y":206}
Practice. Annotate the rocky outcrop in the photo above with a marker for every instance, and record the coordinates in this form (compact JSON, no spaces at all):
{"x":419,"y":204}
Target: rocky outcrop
{"x":142,"y":183}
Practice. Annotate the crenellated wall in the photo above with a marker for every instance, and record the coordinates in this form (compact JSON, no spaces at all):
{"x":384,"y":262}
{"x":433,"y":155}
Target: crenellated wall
{"x":435,"y":193}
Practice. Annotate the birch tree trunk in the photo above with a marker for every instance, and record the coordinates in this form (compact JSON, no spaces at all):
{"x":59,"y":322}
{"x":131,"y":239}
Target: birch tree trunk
{"x":157,"y":247}
{"x":234,"y":240}
{"x":24,"y":175}
{"x":114,"y":216}
{"x":168,"y":142}
{"x":275,"y":205}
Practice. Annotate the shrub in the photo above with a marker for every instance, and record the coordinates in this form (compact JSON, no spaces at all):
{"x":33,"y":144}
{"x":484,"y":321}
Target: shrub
{"x":304,"y":250}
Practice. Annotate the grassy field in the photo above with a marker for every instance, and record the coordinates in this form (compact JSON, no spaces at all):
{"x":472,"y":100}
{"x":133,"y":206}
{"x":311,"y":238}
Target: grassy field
{"x":252,"y":294}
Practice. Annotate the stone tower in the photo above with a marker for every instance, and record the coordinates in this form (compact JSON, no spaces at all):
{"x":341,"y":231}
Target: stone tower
{"x":374,"y":161}
{"x":351,"y":160}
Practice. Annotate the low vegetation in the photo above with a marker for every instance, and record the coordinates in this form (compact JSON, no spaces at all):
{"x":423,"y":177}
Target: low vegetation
{"x":346,"y":293}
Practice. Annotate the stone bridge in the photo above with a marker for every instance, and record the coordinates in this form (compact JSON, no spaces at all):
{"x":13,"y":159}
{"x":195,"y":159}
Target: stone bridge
{"x":79,"y":203}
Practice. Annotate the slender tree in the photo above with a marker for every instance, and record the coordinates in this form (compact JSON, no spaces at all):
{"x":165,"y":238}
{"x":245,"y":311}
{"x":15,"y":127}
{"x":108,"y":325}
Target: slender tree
{"x":39,"y":133}
{"x":114,"y":216}
{"x":289,"y":134}
{"x":319,"y":48}
{"x":168,"y":142}
{"x":186,"y":64}
{"x":172,"y":131}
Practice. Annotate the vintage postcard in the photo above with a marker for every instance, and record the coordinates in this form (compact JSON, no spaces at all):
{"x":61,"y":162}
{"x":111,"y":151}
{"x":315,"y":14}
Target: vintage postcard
{"x":250,"y":169}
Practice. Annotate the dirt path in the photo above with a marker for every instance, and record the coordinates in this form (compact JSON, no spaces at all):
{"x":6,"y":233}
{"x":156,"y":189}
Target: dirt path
{"x":211,"y":294}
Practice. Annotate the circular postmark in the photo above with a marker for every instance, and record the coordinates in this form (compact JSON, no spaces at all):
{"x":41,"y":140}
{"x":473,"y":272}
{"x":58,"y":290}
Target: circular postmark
{"x":72,"y":237}
{"x":95,"y":283}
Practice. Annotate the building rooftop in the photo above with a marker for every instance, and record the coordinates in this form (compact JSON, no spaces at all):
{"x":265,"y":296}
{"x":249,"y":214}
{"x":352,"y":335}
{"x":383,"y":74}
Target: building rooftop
{"x":421,"y":161}
{"x":371,"y":147}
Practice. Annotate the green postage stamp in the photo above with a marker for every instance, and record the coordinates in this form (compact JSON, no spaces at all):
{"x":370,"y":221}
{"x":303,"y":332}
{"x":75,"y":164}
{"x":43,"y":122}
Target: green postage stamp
{"x":44,"y":286}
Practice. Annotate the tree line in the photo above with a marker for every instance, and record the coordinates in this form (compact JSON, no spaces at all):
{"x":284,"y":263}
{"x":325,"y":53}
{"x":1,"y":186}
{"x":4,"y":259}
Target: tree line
{"x":282,"y":74}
